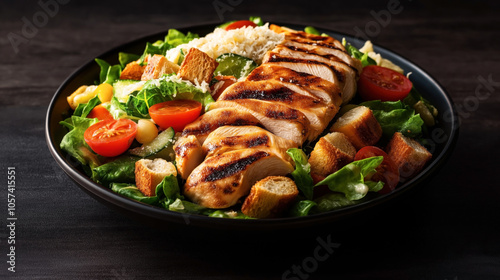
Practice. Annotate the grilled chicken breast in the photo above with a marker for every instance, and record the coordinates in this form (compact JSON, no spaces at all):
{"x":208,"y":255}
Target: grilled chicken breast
{"x":230,"y":138}
{"x":345,"y":72}
{"x":213,"y":119}
{"x":279,"y":119}
{"x":188,"y":155}
{"x":345,"y":75}
{"x":321,"y":88}
{"x":311,"y":67}
{"x":317,"y":112}
{"x":324,"y":50}
{"x":221,"y":181}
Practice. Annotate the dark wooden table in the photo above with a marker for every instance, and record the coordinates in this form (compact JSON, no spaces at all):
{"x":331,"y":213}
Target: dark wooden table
{"x":448,"y":229}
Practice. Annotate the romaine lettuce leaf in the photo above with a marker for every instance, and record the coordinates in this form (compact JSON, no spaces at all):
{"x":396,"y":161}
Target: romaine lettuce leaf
{"x":131,"y":191}
{"x":175,"y":38}
{"x":350,"y":179}
{"x":108,"y":74}
{"x":73,"y":142}
{"x":126,"y":58}
{"x":354,"y":52}
{"x":166,"y":88}
{"x":301,"y":208}
{"x":395,"y":116}
{"x":332,"y":201}
{"x":84,"y":109}
{"x":120,"y":170}
{"x":301,"y":174}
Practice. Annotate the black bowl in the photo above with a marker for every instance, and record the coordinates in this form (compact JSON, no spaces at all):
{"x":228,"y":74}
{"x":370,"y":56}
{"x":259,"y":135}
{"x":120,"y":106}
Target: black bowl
{"x":444,"y":136}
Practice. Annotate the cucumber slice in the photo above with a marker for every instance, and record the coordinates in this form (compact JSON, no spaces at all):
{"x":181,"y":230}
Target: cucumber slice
{"x":231,"y":64}
{"x":123,"y":88}
{"x":162,"y":141}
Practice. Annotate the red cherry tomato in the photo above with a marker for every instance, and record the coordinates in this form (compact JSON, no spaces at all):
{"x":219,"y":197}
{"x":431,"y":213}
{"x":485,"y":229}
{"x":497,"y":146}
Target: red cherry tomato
{"x":240,"y":24}
{"x":176,"y":114}
{"x":387,"y":171}
{"x":223,"y":82}
{"x":380,"y":83}
{"x":100,"y":113}
{"x":110,"y":138}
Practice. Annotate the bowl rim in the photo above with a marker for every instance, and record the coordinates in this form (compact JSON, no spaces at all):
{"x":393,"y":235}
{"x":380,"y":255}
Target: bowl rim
{"x":130,"y":206}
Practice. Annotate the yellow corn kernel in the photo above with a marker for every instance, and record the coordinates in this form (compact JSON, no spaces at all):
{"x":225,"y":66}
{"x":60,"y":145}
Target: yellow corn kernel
{"x":105,"y":92}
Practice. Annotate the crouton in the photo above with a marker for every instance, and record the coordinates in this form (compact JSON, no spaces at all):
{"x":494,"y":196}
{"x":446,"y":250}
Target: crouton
{"x":269,"y":197}
{"x":188,"y":155}
{"x":331,"y":152}
{"x":408,"y":155}
{"x":149,"y":173}
{"x":158,"y":65}
{"x":132,"y":71}
{"x":197,"y":67}
{"x":360,"y":126}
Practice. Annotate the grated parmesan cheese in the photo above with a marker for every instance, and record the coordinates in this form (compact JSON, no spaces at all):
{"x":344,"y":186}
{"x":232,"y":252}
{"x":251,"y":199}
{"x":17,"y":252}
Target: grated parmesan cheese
{"x":251,"y":42}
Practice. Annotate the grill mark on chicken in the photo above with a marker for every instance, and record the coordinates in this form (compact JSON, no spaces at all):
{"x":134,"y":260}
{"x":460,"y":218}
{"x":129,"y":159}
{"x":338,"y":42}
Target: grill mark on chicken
{"x":290,"y":115}
{"x":274,"y":94}
{"x":234,"y":140}
{"x":206,"y":128}
{"x":231,"y":168}
{"x":313,"y":43}
{"x":327,"y":56}
{"x":279,"y":58}
{"x":181,"y":150}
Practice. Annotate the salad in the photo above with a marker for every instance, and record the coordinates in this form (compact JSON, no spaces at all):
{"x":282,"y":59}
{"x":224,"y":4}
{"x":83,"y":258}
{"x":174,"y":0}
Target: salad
{"x":252,"y":120}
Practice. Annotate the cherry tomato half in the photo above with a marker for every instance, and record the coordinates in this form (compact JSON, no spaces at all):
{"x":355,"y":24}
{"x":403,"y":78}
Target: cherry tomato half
{"x":240,"y":24}
{"x":176,"y":113}
{"x":222,"y":84}
{"x":101,"y":113}
{"x":380,"y":83}
{"x":387,"y":171}
{"x":110,"y":138}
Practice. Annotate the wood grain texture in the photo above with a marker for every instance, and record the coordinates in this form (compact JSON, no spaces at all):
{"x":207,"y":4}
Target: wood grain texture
{"x":446,"y":230}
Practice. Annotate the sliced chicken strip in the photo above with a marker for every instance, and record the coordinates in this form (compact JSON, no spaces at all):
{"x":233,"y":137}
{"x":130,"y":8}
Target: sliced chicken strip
{"x":321,"y":88}
{"x":317,"y":112}
{"x":311,"y":67}
{"x":188,"y":155}
{"x":344,"y":72}
{"x":325,"y":50}
{"x":303,"y":36}
{"x":279,"y":119}
{"x":214,"y":119}
{"x":221,"y":181}
{"x":230,"y":138}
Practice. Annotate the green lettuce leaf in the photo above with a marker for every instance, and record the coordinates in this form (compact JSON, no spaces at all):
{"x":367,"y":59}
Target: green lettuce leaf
{"x":302,"y":172}
{"x":166,"y":88}
{"x":120,"y":170}
{"x":354,"y":52}
{"x":126,"y":58}
{"x":257,"y":20}
{"x":331,"y":202}
{"x":108,"y":74}
{"x":302,"y":208}
{"x":84,"y":109}
{"x":176,"y":38}
{"x":395,"y":116}
{"x":73,"y":142}
{"x":350,"y":181}
{"x":131,"y":191}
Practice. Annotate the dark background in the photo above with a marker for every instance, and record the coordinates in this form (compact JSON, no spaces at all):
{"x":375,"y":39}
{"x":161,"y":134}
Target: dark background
{"x":447,"y":229}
